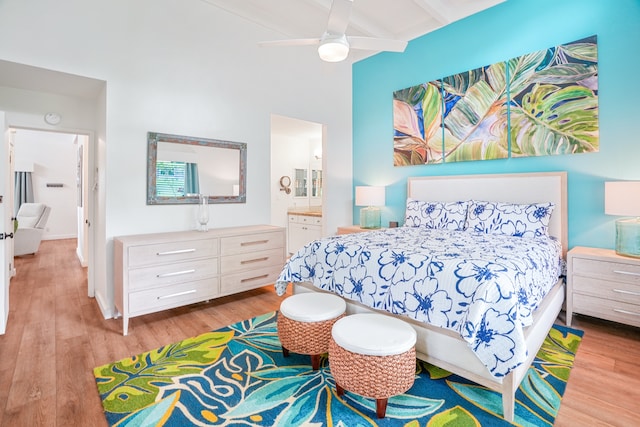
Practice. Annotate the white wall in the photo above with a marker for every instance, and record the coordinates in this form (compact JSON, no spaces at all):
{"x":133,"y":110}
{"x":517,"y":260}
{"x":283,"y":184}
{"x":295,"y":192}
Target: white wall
{"x":183,"y":67}
{"x":53,"y":156}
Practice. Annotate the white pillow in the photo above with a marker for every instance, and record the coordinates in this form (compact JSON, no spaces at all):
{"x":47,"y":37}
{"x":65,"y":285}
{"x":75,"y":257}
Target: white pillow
{"x":512,"y":219}
{"x":436,"y":215}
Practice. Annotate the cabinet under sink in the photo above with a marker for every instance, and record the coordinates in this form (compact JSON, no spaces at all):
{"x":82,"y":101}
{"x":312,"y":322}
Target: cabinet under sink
{"x":302,"y":228}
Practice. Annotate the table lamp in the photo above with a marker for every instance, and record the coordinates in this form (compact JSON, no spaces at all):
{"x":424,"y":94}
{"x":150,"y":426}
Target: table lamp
{"x":371,"y":197}
{"x":623,"y":198}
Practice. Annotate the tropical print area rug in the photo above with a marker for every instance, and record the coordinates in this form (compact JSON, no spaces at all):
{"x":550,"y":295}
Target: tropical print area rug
{"x":237,"y":376}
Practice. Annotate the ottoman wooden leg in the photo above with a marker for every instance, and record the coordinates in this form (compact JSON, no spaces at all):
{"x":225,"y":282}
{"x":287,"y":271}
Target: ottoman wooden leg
{"x":381,"y":407}
{"x":285,"y":352}
{"x":315,"y":362}
{"x":339,"y":390}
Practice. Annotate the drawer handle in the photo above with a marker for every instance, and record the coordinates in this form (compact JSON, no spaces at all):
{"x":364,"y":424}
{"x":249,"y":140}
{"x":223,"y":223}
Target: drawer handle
{"x":626,"y":312}
{"x":249,"y":261}
{"x":179,"y":251}
{"x":628,"y":273}
{"x":254,"y":278}
{"x":176,"y":273}
{"x":179,"y":294}
{"x":622,"y":291}
{"x":255,"y":242}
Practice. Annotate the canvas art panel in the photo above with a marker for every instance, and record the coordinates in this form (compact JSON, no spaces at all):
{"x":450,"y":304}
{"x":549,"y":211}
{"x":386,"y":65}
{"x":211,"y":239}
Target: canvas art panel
{"x":541,"y":103}
{"x":554,"y":100}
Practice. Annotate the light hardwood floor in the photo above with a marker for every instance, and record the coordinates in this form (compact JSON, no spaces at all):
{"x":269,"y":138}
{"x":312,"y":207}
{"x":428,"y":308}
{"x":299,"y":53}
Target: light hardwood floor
{"x":56,"y":336}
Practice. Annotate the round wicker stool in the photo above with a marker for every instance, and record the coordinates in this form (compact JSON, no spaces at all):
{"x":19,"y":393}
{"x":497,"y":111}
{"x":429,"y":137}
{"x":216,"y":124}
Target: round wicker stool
{"x":373,"y":355}
{"x":305,"y":321}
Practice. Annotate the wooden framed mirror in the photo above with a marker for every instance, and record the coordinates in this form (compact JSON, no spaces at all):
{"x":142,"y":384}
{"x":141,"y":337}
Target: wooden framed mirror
{"x":180,"y":168}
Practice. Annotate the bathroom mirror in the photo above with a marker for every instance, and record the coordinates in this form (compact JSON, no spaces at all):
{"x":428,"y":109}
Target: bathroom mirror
{"x":179,"y":168}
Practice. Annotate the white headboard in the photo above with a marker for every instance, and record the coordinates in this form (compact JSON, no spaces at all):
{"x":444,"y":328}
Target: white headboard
{"x":516,"y":188}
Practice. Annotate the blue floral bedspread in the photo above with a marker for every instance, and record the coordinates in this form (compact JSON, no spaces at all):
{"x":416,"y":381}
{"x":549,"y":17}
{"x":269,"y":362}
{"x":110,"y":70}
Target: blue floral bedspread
{"x":483,"y":286}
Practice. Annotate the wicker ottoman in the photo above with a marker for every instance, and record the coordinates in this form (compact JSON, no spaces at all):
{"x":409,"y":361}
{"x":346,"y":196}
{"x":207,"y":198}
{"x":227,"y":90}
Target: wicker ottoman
{"x":373,"y":355}
{"x":305,"y":321}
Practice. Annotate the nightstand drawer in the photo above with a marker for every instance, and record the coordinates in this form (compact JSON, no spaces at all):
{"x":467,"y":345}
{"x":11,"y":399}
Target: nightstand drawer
{"x":605,"y":269}
{"x":618,"y":291}
{"x":607,"y":309}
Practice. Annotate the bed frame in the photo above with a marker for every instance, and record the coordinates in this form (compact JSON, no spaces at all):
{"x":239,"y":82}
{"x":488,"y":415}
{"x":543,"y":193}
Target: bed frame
{"x":445,"y":348}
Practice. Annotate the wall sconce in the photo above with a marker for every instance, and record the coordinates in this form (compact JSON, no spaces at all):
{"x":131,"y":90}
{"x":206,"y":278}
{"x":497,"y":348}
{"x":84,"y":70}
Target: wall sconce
{"x":285,"y":184}
{"x":623,"y":198}
{"x":371,"y":197}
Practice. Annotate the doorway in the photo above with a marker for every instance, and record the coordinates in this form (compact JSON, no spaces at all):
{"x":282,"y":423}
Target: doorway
{"x":297,"y":158}
{"x":57,"y":167}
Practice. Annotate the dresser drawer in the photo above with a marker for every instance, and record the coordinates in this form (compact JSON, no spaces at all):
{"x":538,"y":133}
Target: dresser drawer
{"x":252,"y":261}
{"x":171,"y":252}
{"x":165,"y":297}
{"x":305,"y":219}
{"x":618,"y":291}
{"x":250,"y":279}
{"x":607,"y":309}
{"x":165,"y":274}
{"x":251,"y":243}
{"x":607,"y":269}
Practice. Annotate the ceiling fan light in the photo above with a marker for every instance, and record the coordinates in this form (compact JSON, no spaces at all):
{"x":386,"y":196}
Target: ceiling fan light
{"x":334,"y":49}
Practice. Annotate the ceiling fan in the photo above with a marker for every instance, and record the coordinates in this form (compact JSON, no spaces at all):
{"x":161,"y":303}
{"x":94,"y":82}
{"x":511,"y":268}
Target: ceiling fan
{"x":334,"y":44}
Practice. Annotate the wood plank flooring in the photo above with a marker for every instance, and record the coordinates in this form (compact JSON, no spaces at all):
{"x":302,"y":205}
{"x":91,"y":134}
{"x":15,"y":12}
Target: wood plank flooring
{"x":56,"y":336}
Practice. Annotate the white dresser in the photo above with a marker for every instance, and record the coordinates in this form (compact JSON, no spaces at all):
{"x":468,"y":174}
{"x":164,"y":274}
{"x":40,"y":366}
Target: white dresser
{"x":602,"y":284}
{"x":154,"y":272}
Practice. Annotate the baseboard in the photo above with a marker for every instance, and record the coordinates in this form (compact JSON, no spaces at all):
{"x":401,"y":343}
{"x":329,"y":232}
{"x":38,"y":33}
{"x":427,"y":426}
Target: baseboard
{"x":106,"y":312}
{"x":59,"y":236}
{"x":83,"y":262}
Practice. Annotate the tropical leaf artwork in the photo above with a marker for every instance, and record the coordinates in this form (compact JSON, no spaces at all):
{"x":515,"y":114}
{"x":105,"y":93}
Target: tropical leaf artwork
{"x":475,"y":114}
{"x":541,"y":103}
{"x":417,"y":120}
{"x":554,"y":100}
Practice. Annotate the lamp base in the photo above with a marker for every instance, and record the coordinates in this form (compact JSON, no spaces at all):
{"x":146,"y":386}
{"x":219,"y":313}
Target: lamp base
{"x":370,"y":217}
{"x":628,"y":237}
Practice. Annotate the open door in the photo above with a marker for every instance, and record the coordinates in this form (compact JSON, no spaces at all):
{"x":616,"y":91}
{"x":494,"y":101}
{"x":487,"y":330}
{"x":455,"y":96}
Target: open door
{"x":6,"y":222}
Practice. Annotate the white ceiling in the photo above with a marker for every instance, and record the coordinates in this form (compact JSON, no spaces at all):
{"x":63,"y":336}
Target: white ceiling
{"x":395,"y":19}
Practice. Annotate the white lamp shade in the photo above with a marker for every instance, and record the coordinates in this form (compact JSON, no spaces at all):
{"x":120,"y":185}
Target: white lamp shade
{"x":622,"y":198}
{"x":370,"y":196}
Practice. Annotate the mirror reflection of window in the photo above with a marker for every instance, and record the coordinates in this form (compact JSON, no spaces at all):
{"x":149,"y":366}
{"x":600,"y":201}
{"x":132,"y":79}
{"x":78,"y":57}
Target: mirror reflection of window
{"x":176,"y":179}
{"x":214,"y":171}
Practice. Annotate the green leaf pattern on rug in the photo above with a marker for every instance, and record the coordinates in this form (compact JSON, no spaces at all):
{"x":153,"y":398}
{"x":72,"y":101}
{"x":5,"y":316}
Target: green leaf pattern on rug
{"x":454,"y":417}
{"x":134,"y":382}
{"x":558,"y":352}
{"x":238,"y":376}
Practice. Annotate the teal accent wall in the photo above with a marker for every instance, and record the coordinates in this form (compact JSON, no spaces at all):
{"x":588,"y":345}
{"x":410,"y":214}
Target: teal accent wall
{"x":507,"y":30}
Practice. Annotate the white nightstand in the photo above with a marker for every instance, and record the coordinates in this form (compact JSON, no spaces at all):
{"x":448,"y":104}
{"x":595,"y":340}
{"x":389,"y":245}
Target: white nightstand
{"x":602,"y":284}
{"x":356,"y":229}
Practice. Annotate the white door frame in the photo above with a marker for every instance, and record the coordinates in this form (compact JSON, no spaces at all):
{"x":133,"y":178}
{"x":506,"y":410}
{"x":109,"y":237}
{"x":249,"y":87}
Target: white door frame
{"x":6,"y":213}
{"x":6,"y":224}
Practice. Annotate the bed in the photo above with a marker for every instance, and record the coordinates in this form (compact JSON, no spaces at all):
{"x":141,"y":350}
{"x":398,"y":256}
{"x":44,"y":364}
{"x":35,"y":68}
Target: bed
{"x":452,"y":337}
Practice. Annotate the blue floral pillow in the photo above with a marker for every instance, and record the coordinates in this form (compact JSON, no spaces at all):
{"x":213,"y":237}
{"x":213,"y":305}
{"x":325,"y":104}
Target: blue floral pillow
{"x":521,"y":220}
{"x":436,"y":215}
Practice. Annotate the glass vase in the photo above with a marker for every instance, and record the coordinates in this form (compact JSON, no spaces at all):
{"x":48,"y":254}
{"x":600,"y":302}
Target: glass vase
{"x":203,"y":213}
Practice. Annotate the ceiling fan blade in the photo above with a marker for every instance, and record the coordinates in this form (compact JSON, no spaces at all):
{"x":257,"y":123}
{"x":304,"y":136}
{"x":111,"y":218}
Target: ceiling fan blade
{"x":339,"y":16}
{"x":290,"y":42}
{"x":372,"y":43}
